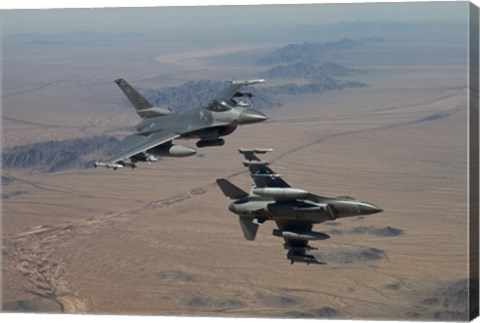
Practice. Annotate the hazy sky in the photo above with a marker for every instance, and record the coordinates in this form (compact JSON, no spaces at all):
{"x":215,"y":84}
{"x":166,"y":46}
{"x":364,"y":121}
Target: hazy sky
{"x":144,"y":19}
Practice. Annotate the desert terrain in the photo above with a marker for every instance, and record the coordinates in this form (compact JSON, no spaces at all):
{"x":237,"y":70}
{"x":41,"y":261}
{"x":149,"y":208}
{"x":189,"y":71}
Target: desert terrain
{"x":160,"y":240}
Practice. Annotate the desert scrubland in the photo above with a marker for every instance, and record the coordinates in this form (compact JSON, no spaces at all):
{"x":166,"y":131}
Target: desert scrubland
{"x":160,"y":240}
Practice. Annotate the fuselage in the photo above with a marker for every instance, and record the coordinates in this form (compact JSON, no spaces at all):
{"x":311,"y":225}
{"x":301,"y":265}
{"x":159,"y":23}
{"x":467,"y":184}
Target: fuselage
{"x":201,"y":123}
{"x":314,"y":209}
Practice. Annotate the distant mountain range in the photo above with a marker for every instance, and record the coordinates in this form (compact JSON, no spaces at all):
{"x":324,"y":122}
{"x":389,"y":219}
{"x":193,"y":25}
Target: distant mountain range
{"x":194,"y":94}
{"x":310,"y":88}
{"x":308,"y":52}
{"x":323,"y":72}
{"x":53,"y":156}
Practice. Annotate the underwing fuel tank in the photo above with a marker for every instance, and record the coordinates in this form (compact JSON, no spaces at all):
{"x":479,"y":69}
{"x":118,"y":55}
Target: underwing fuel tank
{"x":279,"y":192}
{"x":300,"y":235}
{"x":210,"y":143}
{"x":172,"y":151}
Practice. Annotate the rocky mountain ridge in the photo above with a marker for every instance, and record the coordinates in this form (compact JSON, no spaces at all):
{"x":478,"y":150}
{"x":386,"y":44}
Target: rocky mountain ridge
{"x":324,"y":72}
{"x":307,"y":51}
{"x":56,"y":155}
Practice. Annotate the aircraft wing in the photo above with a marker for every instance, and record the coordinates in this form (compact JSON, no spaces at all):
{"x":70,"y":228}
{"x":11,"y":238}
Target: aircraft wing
{"x":232,"y":91}
{"x":262,"y":175}
{"x":133,"y":145}
{"x":297,"y":248}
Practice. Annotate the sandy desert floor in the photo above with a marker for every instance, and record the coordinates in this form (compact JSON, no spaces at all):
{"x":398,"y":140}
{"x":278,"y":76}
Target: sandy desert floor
{"x":160,"y":240}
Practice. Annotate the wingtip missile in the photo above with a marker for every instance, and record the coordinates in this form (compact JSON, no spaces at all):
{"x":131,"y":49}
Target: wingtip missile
{"x":247,"y":82}
{"x":255,"y":162}
{"x":107,"y":165}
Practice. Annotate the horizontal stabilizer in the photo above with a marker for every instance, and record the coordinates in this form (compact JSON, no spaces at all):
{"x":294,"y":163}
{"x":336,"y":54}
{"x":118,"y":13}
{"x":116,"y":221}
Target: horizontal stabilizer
{"x":231,"y":190}
{"x":249,"y":228}
{"x":153,"y":112}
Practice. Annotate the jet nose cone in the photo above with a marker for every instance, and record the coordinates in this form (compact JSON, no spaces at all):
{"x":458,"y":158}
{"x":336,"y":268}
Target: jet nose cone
{"x":367,"y":208}
{"x":251,"y":116}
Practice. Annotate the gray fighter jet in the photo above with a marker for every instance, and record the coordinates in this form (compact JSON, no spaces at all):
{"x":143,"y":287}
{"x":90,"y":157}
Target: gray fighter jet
{"x":294,"y":210}
{"x":159,"y":126}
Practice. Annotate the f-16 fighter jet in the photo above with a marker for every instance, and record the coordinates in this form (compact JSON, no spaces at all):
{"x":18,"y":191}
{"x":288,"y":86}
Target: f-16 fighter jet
{"x":294,"y":210}
{"x":160,"y":126}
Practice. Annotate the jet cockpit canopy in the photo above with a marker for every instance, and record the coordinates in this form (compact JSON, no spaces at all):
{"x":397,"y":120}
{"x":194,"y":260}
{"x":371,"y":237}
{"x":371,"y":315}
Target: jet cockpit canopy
{"x":217,"y":106}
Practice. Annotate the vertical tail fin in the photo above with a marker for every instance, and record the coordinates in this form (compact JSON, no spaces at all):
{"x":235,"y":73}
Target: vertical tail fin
{"x":249,"y":228}
{"x":137,"y":100}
